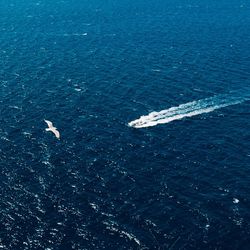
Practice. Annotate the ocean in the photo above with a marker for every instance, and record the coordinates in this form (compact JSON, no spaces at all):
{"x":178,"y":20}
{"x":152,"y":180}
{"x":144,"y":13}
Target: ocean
{"x":151,"y":99}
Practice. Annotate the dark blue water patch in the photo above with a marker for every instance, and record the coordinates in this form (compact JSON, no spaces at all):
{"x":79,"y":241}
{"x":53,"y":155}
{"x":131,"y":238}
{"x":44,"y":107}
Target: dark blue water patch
{"x":91,"y":67}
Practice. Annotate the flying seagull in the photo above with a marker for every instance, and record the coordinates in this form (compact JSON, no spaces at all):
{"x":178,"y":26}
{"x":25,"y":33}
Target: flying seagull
{"x":52,"y":129}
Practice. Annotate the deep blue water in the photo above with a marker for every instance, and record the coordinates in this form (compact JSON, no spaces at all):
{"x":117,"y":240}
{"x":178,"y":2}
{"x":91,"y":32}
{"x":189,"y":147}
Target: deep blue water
{"x":91,"y":67}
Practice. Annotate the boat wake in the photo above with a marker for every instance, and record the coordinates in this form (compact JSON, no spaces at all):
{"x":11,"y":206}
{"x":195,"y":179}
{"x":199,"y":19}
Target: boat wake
{"x":187,"y":110}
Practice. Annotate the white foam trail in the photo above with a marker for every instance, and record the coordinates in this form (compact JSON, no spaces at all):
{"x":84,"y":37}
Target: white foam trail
{"x":186,"y":110}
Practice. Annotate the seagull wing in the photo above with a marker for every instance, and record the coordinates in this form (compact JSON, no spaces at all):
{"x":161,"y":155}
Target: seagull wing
{"x":56,"y":133}
{"x":49,"y":123}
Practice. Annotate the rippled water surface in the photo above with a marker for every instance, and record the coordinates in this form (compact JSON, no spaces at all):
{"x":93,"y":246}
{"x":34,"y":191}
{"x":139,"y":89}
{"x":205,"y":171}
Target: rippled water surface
{"x":93,"y":66}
